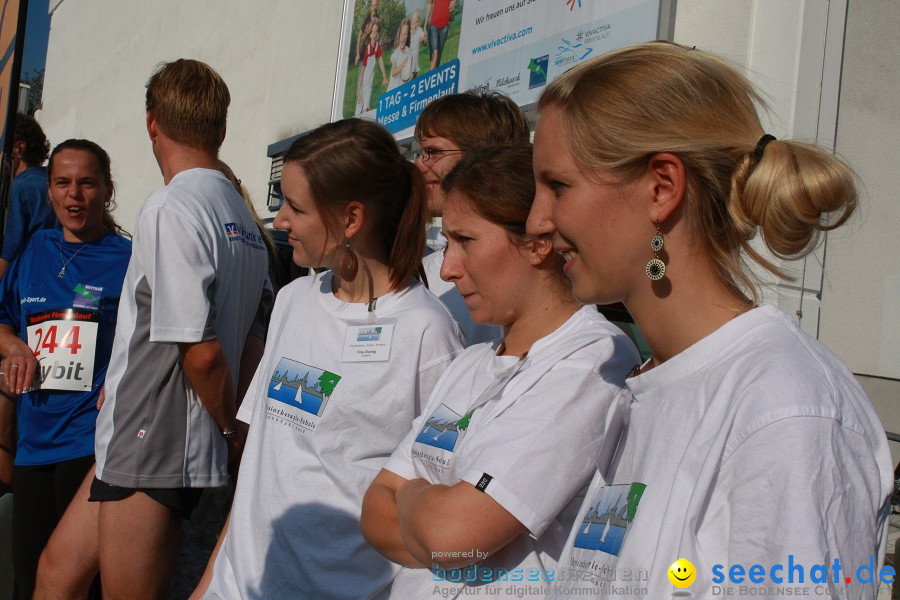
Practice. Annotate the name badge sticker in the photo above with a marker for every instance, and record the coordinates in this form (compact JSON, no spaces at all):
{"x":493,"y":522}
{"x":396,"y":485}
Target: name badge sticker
{"x":64,"y":341}
{"x":369,"y":342}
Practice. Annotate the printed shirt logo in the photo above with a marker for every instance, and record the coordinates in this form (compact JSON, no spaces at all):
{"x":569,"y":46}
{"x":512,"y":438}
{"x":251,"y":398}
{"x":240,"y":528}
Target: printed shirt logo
{"x":302,"y":386}
{"x":609,"y":518}
{"x":236,"y":233}
{"x":232,"y":231}
{"x":444,"y":428}
{"x":571,"y":4}
{"x":368,"y":334}
{"x":87,"y":296}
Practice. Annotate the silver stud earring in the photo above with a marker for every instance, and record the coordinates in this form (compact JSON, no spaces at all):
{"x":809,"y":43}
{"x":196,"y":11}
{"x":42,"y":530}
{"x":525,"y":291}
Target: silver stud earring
{"x":656,"y":268}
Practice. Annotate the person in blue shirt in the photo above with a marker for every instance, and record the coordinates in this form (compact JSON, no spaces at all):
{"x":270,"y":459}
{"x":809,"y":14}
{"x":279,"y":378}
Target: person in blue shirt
{"x":58,"y":313}
{"x":29,"y":210}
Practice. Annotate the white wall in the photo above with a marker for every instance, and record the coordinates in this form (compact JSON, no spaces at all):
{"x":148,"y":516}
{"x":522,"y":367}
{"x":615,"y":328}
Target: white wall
{"x":838,"y":90}
{"x":861,"y":305}
{"x":278,"y":58}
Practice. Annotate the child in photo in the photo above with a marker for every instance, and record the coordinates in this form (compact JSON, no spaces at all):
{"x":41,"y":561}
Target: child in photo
{"x":417,"y":35}
{"x":401,"y":59}
{"x":371,"y":55}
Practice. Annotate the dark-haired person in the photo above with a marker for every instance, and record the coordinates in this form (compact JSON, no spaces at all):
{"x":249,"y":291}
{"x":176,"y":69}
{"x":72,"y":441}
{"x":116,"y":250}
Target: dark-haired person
{"x":58,"y":313}
{"x":167,"y":428}
{"x":351,"y":357}
{"x":29,"y":210}
{"x":491,"y":470}
{"x":748,"y":442}
{"x":448,"y":128}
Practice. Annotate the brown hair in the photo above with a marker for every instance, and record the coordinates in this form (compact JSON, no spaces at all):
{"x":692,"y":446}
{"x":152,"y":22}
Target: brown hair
{"x":497,"y":184}
{"x":473,"y":119}
{"x":357,"y":160}
{"x":103,"y":163}
{"x":190,"y":102}
{"x":37,"y":147}
{"x":621,"y":108}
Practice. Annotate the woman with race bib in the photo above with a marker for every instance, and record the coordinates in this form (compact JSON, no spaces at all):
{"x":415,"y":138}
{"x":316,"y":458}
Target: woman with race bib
{"x":58,"y":313}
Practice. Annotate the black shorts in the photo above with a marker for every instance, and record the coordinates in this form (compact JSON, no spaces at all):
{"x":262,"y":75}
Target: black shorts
{"x":182,"y":500}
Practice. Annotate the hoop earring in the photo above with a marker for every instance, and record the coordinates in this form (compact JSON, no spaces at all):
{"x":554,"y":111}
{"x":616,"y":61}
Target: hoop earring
{"x":349,"y":264}
{"x":656,"y":268}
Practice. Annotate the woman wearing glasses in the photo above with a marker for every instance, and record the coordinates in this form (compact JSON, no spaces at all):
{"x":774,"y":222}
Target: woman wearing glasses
{"x":478,"y":481}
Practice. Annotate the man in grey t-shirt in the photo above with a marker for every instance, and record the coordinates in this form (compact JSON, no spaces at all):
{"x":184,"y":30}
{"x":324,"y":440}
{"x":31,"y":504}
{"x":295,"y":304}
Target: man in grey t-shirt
{"x":186,"y":326}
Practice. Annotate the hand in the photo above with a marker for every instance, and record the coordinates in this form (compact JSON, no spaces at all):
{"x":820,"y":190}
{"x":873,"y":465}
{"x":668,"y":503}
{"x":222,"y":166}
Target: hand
{"x":101,"y":399}
{"x":236,"y":450}
{"x":19,"y":368}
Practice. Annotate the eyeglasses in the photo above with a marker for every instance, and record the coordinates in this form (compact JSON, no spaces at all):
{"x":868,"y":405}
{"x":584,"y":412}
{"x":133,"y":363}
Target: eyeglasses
{"x":427,"y":154}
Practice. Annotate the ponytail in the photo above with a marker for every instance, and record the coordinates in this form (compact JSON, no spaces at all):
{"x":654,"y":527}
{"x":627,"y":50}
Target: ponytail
{"x":791,"y":194}
{"x":408,"y":243}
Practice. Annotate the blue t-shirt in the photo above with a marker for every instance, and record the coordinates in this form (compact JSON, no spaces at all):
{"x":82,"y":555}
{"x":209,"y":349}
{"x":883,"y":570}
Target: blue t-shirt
{"x":59,"y":425}
{"x":29,"y":211}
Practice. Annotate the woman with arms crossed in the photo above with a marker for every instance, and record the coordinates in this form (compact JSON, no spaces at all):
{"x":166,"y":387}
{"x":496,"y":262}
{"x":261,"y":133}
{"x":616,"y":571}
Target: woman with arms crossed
{"x":350,"y":358}
{"x":748,"y":442}
{"x":514,"y":428}
{"x":57,"y":319}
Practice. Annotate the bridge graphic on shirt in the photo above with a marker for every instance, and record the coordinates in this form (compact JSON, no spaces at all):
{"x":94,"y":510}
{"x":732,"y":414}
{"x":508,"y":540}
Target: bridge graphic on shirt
{"x":302,"y":386}
{"x":609,"y":518}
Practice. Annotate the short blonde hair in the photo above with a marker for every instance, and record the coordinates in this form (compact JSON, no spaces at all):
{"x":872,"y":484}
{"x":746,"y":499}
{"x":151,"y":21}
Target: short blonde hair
{"x":621,"y":108}
{"x":190,"y":102}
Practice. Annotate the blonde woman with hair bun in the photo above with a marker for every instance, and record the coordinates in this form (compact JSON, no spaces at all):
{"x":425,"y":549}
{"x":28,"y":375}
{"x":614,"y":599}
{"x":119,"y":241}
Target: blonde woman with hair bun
{"x":748,"y":442}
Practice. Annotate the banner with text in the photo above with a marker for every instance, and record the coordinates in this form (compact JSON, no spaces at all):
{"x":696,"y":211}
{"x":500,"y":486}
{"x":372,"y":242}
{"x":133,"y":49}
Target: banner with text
{"x":399,"y":55}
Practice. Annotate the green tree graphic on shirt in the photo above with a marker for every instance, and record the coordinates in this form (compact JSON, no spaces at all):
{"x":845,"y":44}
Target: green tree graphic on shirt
{"x":327,"y":382}
{"x":634,"y":498}
{"x":463,"y":423}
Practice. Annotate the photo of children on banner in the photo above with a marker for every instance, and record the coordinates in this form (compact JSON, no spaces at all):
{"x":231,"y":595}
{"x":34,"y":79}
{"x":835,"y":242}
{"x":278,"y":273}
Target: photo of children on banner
{"x":386,"y":26}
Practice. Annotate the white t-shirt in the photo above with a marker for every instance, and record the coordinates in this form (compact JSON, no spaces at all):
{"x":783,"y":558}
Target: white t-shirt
{"x":753,"y":445}
{"x":537,"y":438}
{"x":197,"y":272}
{"x":397,"y":58}
{"x":320,"y":430}
{"x":475,"y":333}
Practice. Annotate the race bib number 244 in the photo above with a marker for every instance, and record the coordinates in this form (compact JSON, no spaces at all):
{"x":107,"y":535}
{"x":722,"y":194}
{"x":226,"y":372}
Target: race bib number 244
{"x":64,"y":341}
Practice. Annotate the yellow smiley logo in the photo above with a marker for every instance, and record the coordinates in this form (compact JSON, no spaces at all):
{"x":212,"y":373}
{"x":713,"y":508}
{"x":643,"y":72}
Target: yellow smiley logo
{"x":682,"y":573}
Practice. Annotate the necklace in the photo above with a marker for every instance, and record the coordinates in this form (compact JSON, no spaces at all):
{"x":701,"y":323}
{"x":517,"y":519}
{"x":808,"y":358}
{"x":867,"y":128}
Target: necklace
{"x":65,"y":263}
